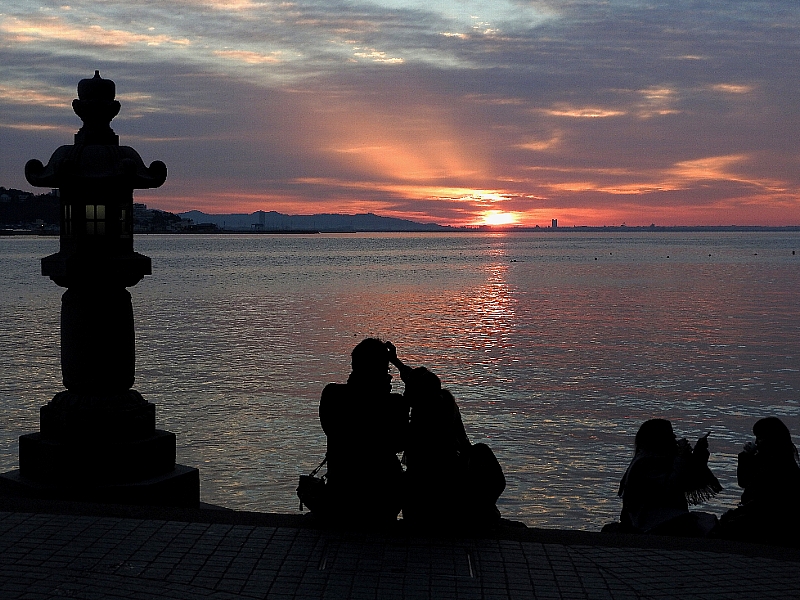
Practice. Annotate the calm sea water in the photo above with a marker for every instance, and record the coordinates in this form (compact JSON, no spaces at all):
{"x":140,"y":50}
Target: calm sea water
{"x":556,"y":345}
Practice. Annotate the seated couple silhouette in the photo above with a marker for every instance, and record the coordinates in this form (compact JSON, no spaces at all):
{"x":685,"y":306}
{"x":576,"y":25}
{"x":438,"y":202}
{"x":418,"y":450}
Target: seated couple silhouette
{"x":447,"y":481}
{"x":666,"y":475}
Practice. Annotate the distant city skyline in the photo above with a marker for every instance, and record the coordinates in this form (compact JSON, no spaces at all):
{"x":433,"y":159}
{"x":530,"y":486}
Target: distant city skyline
{"x":460,"y":113}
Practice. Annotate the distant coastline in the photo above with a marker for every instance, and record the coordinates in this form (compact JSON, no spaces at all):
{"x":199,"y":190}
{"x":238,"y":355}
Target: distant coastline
{"x":23,"y":213}
{"x":274,"y":222}
{"x":475,"y":229}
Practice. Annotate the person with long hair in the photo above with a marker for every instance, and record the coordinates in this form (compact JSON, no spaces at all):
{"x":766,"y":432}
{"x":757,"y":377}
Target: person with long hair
{"x":664,"y":477}
{"x":769,"y":475}
{"x":450,"y":482}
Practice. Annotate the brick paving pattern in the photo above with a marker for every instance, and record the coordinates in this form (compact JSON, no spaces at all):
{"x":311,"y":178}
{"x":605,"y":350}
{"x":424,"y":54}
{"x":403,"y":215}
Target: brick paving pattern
{"x":92,"y":557}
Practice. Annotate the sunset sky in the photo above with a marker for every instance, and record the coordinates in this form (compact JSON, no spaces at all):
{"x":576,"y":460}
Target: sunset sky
{"x":455,"y":112}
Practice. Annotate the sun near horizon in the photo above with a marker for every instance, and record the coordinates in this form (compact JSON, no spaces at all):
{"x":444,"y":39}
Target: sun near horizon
{"x":497,"y":217}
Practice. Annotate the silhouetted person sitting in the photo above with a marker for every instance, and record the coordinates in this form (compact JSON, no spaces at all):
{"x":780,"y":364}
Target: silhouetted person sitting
{"x":768,"y":472}
{"x":449,"y":482}
{"x":366,"y":427}
{"x":664,"y":477}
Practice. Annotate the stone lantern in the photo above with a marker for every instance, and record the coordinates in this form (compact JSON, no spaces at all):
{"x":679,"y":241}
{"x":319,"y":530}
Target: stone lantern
{"x":98,"y":439}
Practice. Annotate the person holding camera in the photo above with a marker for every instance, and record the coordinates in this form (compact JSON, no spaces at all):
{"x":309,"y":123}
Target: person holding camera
{"x":366,"y":427}
{"x":769,"y":475}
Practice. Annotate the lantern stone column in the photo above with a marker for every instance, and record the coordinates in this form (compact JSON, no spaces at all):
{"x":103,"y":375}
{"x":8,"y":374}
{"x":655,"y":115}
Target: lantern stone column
{"x":98,"y":439}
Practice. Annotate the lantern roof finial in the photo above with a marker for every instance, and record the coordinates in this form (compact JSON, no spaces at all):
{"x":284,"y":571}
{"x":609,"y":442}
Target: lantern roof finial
{"x":97,"y":89}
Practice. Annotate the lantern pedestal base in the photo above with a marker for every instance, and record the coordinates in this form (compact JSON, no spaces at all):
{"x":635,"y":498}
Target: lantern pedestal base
{"x":74,"y":417}
{"x":101,"y":447}
{"x":101,"y":460}
{"x":98,"y":464}
{"x":180,"y":487}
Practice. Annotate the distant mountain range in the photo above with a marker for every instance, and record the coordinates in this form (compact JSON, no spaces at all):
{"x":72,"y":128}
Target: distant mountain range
{"x":24,"y":212}
{"x":331,"y":223}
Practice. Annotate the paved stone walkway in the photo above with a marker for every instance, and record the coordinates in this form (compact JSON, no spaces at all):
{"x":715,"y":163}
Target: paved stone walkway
{"x":45,"y":556}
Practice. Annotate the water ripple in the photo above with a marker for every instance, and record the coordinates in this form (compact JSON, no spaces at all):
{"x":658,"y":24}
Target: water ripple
{"x":555,"y":358}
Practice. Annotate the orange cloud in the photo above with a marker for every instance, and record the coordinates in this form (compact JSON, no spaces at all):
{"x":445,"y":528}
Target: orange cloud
{"x":730,"y":88}
{"x":36,"y":127}
{"x":541,"y":145}
{"x":229,"y":5}
{"x":683,"y":175}
{"x":53,"y":99}
{"x":656,"y":101}
{"x":582,"y":112}
{"x":373,"y":140}
{"x":57,"y":29}
{"x":376,"y":55}
{"x":722,"y":168}
{"x":713,"y":167}
{"x":250,"y":58}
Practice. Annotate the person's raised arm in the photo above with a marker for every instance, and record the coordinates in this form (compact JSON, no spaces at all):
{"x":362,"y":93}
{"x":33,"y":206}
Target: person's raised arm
{"x":404,"y":370}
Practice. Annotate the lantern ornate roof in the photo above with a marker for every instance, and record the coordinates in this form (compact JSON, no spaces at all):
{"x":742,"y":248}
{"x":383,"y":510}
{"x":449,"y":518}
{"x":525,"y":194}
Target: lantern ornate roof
{"x":96,"y":153}
{"x":96,"y":178}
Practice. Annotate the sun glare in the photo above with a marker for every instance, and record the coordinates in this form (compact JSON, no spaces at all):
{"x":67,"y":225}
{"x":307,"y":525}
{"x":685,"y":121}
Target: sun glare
{"x":496,"y":217}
